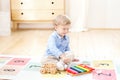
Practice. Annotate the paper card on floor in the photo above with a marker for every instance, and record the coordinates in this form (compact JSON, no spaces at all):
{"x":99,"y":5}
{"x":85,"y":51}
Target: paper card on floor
{"x":4,"y":79}
{"x":118,"y":68}
{"x":101,"y":74}
{"x":18,"y":61}
{"x":103,"y":64}
{"x":32,"y":66}
{"x":10,"y":70}
{"x":4,"y":59}
{"x":86,"y":62}
{"x":58,"y":75}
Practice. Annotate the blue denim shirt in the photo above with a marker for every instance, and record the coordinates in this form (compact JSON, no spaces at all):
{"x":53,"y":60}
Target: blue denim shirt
{"x":57,"y":45}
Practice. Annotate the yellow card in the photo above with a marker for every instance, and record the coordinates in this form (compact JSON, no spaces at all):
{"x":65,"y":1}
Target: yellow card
{"x":103,"y":64}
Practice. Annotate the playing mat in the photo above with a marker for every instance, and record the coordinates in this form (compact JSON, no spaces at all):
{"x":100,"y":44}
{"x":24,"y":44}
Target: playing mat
{"x":28,"y":68}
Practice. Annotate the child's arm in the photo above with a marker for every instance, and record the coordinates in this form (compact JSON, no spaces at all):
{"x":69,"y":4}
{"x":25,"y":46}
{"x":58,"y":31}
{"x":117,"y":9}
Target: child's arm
{"x":68,"y":47}
{"x":53,"y":48}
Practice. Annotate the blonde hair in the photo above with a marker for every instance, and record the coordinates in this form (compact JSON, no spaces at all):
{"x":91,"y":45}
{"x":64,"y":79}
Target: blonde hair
{"x":61,"y":20}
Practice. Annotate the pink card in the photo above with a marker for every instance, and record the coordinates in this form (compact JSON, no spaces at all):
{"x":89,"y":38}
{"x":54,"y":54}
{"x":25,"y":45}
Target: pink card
{"x":18,"y":61}
{"x":101,"y":74}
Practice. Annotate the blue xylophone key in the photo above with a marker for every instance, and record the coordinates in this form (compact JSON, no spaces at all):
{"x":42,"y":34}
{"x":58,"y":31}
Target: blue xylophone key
{"x":73,"y":68}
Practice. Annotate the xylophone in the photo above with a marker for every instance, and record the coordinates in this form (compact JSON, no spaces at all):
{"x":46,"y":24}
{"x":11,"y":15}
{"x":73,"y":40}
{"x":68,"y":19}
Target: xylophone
{"x":79,"y":69}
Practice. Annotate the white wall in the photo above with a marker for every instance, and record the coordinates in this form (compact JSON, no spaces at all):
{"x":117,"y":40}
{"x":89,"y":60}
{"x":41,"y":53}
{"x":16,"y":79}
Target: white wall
{"x":113,"y":14}
{"x":5,"y":18}
{"x":97,"y":13}
{"x":104,"y":14}
{"x":83,"y":13}
{"x":5,"y":5}
{"x":78,"y":13}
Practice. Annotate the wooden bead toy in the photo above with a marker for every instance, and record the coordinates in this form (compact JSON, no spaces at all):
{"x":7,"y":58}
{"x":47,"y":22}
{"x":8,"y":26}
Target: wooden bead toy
{"x":42,"y":70}
{"x":53,"y":70}
{"x":48,"y":68}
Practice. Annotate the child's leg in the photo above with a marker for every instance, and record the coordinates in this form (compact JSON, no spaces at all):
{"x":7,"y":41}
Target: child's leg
{"x":71,"y":57}
{"x":49,"y":59}
{"x":61,"y":65}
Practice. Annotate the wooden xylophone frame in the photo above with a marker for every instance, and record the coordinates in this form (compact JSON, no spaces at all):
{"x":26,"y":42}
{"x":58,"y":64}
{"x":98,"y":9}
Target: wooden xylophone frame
{"x":72,"y":72}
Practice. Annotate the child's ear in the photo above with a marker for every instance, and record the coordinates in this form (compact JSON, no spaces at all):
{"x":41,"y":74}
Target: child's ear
{"x":55,"y":27}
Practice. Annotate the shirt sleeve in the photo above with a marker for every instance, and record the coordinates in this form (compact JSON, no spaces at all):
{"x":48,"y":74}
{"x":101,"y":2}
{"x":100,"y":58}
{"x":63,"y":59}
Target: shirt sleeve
{"x":53,"y":48}
{"x":68,"y":48}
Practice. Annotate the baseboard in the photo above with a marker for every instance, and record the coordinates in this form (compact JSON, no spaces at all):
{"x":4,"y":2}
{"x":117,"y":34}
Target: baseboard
{"x":104,"y":28}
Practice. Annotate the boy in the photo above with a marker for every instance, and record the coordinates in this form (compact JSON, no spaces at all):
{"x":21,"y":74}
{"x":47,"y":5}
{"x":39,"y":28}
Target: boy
{"x":58,"y":49}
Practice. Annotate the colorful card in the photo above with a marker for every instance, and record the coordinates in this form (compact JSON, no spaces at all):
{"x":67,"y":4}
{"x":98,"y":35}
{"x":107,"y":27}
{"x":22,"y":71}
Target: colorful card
{"x":55,"y":77}
{"x":4,"y":59}
{"x":32,"y":66}
{"x":18,"y":61}
{"x":10,"y":70}
{"x":101,"y":74}
{"x":103,"y":64}
{"x":118,"y":68}
{"x":86,"y":63}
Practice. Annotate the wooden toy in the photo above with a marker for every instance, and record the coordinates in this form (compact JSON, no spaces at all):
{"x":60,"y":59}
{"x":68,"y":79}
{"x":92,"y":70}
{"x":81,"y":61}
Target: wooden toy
{"x":49,"y":68}
{"x":79,"y":69}
{"x":43,"y":70}
{"x":53,"y":70}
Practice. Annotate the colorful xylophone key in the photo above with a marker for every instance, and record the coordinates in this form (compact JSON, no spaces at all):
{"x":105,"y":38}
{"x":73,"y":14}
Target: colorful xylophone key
{"x":87,"y":67}
{"x":79,"y":69}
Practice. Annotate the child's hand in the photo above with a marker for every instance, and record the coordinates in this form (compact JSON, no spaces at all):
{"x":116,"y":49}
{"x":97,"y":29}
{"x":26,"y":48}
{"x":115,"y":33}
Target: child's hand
{"x":62,"y":56}
{"x":65,"y":59}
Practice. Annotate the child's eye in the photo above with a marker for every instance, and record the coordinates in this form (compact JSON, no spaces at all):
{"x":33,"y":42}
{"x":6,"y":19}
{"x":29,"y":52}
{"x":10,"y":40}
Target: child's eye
{"x":64,"y":29}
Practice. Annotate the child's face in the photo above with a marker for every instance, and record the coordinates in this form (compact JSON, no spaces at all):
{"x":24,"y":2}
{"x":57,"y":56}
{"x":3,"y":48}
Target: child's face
{"x":62,"y":30}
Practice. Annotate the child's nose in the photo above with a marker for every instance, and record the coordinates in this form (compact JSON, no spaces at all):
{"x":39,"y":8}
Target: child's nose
{"x":67,"y":31}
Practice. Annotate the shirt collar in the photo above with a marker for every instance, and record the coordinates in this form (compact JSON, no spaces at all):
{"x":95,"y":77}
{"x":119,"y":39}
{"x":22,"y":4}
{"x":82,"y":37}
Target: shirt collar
{"x":60,"y":36}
